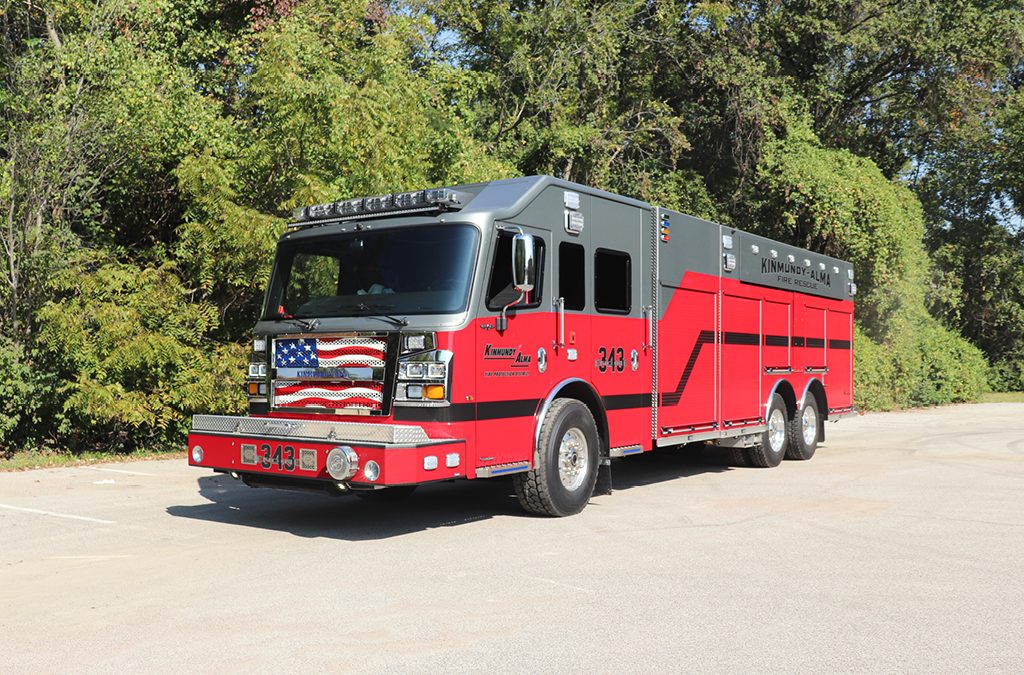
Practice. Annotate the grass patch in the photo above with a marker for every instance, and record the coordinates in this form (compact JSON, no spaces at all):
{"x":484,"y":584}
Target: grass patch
{"x":48,"y":459}
{"x":1003,"y":397}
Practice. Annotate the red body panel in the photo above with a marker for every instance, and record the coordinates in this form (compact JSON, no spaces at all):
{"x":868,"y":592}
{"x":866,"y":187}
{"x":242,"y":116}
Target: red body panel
{"x":723,"y":346}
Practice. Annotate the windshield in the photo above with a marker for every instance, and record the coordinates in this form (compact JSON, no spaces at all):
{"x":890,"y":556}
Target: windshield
{"x":409,"y":270}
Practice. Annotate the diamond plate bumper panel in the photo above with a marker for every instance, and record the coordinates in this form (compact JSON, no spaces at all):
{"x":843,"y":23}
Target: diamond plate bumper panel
{"x":355,"y":432}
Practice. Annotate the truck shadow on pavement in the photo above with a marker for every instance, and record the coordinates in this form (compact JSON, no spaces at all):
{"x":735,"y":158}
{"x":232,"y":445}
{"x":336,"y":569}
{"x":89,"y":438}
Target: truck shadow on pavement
{"x":433,"y":506}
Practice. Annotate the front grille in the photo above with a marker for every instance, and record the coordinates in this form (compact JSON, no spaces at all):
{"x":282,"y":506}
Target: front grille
{"x":331,"y":395}
{"x":343,"y":374}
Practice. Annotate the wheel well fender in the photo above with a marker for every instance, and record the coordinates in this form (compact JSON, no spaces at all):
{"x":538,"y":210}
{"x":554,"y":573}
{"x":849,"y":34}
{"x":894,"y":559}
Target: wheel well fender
{"x":585,"y":394}
{"x":816,"y":389}
{"x":784,"y":389}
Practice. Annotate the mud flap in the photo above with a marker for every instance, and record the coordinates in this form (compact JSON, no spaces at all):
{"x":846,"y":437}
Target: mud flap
{"x":604,"y":477}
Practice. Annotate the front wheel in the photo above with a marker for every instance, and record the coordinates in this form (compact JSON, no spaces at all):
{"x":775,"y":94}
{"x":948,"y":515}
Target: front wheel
{"x":563,"y":479}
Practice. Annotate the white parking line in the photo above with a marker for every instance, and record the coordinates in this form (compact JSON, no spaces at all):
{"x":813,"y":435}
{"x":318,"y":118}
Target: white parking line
{"x":130,"y":473}
{"x":88,"y":557}
{"x":57,"y":515}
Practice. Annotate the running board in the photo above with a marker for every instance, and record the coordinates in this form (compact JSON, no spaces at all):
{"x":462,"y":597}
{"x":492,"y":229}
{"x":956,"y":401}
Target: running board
{"x":625,"y":451}
{"x":502,"y":469}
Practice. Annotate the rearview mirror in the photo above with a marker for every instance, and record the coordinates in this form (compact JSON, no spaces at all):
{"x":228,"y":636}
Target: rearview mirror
{"x":524,"y":270}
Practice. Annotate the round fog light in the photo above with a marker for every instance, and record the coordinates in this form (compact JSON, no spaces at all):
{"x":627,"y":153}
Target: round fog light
{"x":371,"y":471}
{"x":197,"y":453}
{"x":342,"y":462}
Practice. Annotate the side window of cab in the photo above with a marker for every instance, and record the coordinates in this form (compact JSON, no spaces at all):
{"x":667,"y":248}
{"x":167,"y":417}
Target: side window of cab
{"x":500,"y":290}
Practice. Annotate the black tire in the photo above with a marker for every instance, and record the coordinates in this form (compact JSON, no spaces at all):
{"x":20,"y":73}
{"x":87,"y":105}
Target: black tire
{"x":738,"y":457}
{"x":798,"y":447}
{"x":544,"y":490}
{"x":388,"y":495}
{"x":770,"y":454}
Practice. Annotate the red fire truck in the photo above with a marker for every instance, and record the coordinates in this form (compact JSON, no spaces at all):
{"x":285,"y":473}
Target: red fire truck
{"x":530,"y":327}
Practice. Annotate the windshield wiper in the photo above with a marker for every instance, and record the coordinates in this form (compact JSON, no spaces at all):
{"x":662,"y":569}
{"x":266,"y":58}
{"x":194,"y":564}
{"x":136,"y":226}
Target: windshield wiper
{"x":307,"y":324}
{"x":398,"y":321}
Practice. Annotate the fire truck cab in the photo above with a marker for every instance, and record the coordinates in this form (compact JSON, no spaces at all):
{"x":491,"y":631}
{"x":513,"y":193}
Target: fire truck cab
{"x":529,"y":327}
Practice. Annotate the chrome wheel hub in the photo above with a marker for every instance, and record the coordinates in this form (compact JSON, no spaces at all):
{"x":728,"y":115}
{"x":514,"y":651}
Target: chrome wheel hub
{"x":777,"y":430}
{"x":809,"y":425}
{"x":573,"y":459}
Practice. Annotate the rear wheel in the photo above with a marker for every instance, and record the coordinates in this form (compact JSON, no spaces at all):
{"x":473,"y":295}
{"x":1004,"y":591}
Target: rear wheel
{"x":563,"y":479}
{"x":774,"y":440}
{"x":803,"y":430}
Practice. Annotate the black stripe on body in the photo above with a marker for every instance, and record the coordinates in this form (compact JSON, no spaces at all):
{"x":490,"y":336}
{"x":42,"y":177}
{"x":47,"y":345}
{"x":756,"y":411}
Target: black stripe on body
{"x":672,"y":398}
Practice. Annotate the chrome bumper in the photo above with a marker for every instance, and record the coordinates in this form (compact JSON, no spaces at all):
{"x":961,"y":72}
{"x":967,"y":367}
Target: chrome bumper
{"x":355,"y":432}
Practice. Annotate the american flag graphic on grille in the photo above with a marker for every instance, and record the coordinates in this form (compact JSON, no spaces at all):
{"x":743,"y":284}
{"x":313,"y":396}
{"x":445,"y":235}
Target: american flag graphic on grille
{"x":345,"y":352}
{"x":330,"y":353}
{"x":333,"y":395}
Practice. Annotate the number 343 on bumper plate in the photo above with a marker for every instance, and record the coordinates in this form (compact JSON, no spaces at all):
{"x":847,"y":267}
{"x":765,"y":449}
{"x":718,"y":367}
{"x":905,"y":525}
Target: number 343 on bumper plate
{"x":271,"y":456}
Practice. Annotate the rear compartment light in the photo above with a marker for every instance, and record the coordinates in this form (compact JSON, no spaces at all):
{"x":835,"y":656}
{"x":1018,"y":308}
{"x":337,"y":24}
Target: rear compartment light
{"x":197,"y":453}
{"x":430,"y":462}
{"x":371,"y":471}
{"x":451,"y":460}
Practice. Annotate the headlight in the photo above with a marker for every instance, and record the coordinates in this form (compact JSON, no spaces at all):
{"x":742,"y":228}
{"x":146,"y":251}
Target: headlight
{"x":420,"y":370}
{"x":257,"y":370}
{"x":424,"y":381}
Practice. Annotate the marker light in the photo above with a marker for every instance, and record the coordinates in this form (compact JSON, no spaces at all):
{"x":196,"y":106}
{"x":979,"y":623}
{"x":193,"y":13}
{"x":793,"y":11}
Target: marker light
{"x":418,"y":200}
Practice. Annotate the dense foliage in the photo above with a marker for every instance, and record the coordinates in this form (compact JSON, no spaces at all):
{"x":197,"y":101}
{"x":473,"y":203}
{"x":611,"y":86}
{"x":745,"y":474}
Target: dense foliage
{"x":150,"y":151}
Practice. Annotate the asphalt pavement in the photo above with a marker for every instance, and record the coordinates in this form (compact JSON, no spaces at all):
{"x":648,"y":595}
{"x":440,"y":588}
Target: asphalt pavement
{"x":899,"y":547}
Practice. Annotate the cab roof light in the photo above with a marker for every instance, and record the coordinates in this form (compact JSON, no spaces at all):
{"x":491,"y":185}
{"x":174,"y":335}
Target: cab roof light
{"x":434,"y":199}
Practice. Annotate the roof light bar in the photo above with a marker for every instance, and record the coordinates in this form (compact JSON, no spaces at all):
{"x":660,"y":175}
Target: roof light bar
{"x":398,"y":202}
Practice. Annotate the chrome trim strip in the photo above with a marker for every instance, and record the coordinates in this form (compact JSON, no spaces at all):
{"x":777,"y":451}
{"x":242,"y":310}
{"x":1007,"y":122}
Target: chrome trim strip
{"x":625,"y":451}
{"x":547,"y":404}
{"x":502,"y":469}
{"x":310,"y":429}
{"x":682,"y":439}
{"x":807,"y":387}
{"x":768,"y":401}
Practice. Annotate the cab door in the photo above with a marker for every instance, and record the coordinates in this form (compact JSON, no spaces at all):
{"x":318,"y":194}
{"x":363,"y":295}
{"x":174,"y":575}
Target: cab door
{"x":511,"y":364}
